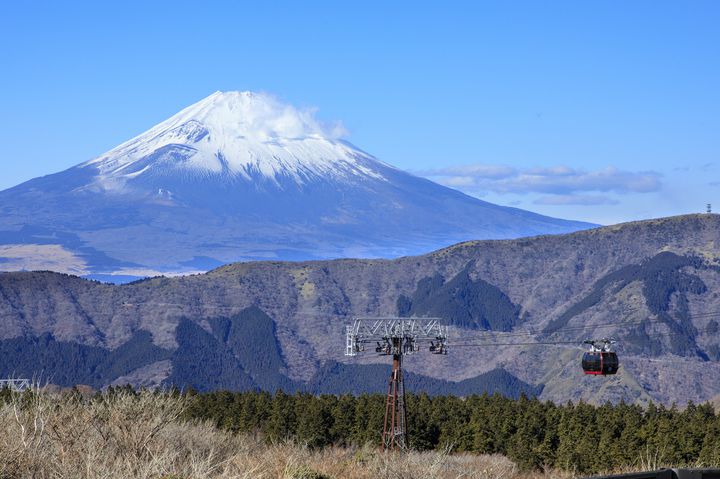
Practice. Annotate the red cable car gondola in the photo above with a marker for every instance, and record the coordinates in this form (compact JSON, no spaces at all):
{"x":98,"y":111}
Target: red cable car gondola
{"x":601,"y":360}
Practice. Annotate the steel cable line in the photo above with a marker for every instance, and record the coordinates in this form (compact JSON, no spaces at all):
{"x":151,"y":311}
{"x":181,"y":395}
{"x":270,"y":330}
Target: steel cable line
{"x":490,"y":335}
{"x":330,"y":315}
{"x":482,"y":334}
{"x":500,"y":335}
{"x":451,"y":344}
{"x":461,"y":345}
{"x":298,"y":313}
{"x":485,"y":342}
{"x":481,"y":339}
{"x":485,"y":334}
{"x":488,"y":343}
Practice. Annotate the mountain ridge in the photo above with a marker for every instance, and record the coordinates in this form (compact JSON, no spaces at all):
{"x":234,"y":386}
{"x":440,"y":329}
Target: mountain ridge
{"x":672,"y":354}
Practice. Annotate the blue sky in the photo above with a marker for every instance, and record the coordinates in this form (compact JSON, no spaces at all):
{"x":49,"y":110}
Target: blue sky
{"x":599,"y":111}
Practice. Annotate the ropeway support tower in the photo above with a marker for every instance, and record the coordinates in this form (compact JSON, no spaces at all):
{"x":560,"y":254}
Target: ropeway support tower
{"x":397,"y":337}
{"x":14,"y":384}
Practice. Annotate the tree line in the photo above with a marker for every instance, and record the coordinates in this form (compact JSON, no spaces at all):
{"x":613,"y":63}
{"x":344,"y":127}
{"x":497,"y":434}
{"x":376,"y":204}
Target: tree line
{"x":536,"y":435}
{"x":577,"y":437}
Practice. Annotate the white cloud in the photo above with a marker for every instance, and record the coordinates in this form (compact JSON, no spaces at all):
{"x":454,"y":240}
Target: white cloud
{"x":263,"y":115}
{"x":459,"y":181}
{"x":556,"y":180}
{"x":473,"y":171}
{"x":584,"y":200}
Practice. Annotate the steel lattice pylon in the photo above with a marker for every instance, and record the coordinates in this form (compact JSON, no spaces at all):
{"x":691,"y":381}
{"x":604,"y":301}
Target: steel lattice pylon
{"x":396,"y":337}
{"x":395,"y":426}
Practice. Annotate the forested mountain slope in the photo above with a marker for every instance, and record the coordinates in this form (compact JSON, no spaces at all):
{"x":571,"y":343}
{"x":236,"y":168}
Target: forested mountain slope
{"x":280,"y":324}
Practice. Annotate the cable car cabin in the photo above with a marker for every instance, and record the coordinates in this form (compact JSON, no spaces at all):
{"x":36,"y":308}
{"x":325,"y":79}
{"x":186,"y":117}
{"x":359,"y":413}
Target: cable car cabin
{"x":600,"y":363}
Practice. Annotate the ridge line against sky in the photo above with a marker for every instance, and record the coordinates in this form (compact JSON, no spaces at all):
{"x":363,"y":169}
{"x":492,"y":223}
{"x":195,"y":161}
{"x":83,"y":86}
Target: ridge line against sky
{"x":597,"y":112}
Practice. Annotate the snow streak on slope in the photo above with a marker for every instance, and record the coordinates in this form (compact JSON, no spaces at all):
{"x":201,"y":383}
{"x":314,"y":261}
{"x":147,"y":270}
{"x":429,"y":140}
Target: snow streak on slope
{"x":236,"y":135}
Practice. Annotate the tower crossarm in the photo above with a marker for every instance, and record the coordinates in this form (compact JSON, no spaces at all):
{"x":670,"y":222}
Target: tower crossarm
{"x":15,"y":384}
{"x":383,"y":330}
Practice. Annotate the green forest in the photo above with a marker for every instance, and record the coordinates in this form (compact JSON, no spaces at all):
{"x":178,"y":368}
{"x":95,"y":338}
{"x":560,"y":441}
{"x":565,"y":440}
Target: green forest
{"x":577,"y":437}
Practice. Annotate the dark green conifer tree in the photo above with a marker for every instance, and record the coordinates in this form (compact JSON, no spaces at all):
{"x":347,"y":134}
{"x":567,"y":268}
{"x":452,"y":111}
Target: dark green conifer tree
{"x":343,"y":413}
{"x":281,"y":422}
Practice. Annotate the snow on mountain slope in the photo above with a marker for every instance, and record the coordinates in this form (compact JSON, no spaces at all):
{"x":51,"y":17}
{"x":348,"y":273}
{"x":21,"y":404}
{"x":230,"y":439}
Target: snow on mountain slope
{"x":234,"y":135}
{"x":243,"y":176}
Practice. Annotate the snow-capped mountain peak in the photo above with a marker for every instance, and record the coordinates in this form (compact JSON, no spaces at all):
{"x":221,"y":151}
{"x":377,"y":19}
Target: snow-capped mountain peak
{"x":235,"y":135}
{"x":238,"y":176}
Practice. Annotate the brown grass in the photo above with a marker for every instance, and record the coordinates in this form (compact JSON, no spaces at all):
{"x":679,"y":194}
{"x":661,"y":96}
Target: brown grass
{"x":51,"y":435}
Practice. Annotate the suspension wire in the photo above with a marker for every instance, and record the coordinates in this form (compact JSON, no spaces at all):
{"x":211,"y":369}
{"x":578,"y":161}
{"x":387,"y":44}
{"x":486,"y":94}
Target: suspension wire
{"x":461,"y":345}
{"x":330,"y":315}
{"x":479,"y":343}
{"x":481,"y":333}
{"x":479,"y":340}
{"x":487,"y":335}
{"x":482,"y":340}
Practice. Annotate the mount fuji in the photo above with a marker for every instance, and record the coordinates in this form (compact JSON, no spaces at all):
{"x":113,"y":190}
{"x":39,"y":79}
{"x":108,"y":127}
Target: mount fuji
{"x":238,"y":176}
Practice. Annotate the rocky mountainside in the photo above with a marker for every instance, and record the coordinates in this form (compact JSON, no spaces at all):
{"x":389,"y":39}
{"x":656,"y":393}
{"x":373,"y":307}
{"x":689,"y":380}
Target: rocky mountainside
{"x":652,"y":284}
{"x":238,"y":176}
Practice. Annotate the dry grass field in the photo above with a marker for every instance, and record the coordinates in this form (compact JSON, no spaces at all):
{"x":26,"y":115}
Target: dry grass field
{"x":52,"y":435}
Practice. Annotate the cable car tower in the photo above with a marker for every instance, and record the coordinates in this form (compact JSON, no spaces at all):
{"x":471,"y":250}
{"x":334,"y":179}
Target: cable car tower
{"x":396,"y":337}
{"x":17,"y":385}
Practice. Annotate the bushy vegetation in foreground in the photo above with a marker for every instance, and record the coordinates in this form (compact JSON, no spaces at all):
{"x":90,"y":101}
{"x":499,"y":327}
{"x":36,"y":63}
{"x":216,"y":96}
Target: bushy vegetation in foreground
{"x":124,"y":434}
{"x":536,"y":435}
